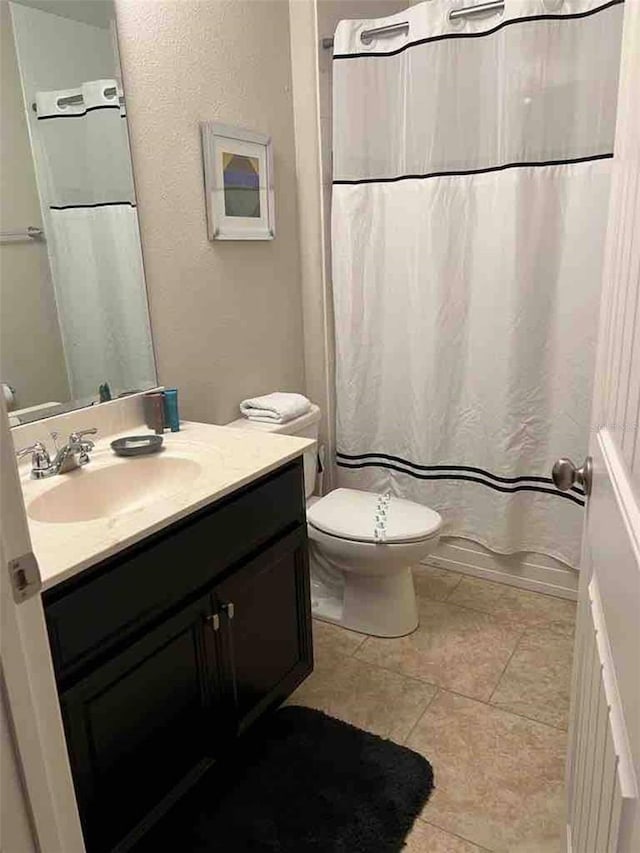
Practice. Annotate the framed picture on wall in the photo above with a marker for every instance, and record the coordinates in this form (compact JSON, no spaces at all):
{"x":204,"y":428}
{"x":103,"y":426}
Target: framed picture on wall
{"x":238,"y":179}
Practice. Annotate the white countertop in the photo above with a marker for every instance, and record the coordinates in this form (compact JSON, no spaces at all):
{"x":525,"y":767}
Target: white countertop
{"x":228,"y":458}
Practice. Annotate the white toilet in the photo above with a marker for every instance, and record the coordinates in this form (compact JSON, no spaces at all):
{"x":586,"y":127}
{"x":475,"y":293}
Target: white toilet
{"x":360,"y":577}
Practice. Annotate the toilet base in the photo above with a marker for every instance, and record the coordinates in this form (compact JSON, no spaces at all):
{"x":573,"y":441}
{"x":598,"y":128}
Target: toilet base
{"x":373,"y":605}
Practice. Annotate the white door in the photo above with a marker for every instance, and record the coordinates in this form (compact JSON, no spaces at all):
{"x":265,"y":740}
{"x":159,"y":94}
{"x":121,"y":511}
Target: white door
{"x":16,"y":833}
{"x":39,"y":753}
{"x":604,"y":739}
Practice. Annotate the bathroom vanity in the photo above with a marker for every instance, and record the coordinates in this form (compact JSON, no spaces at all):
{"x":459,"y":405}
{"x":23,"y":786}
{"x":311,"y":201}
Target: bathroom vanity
{"x":165,"y":650}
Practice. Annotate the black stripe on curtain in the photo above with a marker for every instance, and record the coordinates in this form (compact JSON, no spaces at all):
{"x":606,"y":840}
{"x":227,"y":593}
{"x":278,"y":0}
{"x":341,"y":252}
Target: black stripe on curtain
{"x":539,"y":163}
{"x":496,"y":29}
{"x":458,"y":472}
{"x":97,"y":204}
{"x":79,"y":115}
{"x":357,"y":457}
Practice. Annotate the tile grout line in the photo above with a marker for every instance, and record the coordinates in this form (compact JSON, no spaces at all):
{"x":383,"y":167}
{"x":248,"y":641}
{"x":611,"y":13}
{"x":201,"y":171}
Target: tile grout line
{"x":440,"y":689}
{"x":501,"y":676}
{"x":503,"y":621}
{"x":518,"y":636}
{"x":454,"y":588}
{"x":490,"y":702}
{"x":524,"y":717}
{"x":544,"y":621}
{"x":432,"y":683}
{"x":488,"y":705}
{"x":404,"y":674}
{"x":455,"y":834}
{"x":400,"y":673}
{"x":351,"y":655}
{"x":505,"y":586}
{"x":447,"y":598}
{"x":405,"y":740}
{"x":419,"y":681}
{"x":364,"y":639}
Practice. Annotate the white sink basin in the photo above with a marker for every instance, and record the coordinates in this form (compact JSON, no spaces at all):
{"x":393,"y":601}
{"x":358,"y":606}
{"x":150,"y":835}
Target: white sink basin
{"x":114,"y":489}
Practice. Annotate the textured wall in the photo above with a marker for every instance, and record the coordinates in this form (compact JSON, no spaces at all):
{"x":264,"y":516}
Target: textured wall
{"x":31,"y":356}
{"x":226,"y":316}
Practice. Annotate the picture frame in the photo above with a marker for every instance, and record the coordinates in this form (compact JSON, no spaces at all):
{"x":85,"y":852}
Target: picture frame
{"x":238,"y":180}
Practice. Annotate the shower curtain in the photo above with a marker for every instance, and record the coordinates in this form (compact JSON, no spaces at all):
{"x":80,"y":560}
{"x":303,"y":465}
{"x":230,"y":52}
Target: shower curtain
{"x":93,"y":238}
{"x":471,"y":179}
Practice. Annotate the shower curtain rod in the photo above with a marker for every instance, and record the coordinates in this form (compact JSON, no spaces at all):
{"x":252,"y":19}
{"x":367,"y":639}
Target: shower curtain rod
{"x":366,"y":36}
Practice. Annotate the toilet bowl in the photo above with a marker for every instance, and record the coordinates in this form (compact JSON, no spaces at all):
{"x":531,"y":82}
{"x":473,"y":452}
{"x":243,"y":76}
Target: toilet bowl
{"x":361,"y":582}
{"x":361,"y":549}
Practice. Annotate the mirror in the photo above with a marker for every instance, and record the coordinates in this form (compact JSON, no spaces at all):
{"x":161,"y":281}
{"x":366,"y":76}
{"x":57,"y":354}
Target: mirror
{"x":74,"y":321}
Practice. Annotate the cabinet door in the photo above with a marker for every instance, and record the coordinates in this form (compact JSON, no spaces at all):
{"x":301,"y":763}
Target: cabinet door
{"x":144,"y":722}
{"x":265,"y":611}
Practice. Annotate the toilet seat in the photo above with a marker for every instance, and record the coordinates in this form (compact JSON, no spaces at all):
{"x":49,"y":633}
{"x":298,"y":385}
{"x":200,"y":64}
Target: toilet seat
{"x":350,"y":514}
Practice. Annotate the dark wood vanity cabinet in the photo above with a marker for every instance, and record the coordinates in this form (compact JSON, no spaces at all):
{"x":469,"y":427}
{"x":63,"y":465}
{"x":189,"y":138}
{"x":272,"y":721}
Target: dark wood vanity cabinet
{"x":264,"y":630}
{"x":152,"y":696}
{"x":142,"y":722}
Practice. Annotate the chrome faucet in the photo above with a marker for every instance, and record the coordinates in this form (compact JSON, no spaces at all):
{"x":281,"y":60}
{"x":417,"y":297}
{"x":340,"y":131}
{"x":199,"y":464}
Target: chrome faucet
{"x":74,"y":454}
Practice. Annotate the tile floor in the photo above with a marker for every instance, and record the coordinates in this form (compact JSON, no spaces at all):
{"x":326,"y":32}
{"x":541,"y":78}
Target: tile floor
{"x":482,"y":690}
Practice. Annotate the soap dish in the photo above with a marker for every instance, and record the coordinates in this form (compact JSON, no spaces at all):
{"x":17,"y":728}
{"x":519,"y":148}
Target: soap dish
{"x":137,"y":445}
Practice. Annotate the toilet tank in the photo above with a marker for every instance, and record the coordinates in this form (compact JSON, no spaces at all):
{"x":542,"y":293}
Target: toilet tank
{"x":306,"y":426}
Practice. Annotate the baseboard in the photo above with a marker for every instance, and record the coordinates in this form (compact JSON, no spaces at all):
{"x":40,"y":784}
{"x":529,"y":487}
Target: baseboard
{"x":535,"y":572}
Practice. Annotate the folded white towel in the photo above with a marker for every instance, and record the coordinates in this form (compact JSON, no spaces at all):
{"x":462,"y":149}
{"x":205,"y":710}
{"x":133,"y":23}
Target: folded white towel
{"x":276,"y":408}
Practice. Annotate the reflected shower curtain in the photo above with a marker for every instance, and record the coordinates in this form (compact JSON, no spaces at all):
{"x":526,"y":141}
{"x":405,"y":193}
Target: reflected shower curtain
{"x":471,"y":181}
{"x":93,"y":236}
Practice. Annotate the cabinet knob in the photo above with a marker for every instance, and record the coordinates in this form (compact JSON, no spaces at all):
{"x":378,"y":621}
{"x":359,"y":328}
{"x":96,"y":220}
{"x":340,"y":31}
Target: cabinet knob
{"x":214,"y":621}
{"x":229,"y":610}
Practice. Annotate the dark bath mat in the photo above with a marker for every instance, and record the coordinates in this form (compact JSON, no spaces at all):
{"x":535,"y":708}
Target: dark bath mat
{"x":300,"y":782}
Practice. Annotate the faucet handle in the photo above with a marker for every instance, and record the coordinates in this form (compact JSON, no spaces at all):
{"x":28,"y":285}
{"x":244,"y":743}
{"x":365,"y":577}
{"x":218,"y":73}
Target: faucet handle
{"x":80,"y":445}
{"x":40,"y":459}
{"x":76,"y":437}
{"x":36,"y":447}
{"x":79,"y":433}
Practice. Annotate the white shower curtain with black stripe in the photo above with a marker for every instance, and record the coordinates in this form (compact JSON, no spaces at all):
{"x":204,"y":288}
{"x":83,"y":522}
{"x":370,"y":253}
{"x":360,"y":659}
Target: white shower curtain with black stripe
{"x":471,"y":180}
{"x":93,"y":237}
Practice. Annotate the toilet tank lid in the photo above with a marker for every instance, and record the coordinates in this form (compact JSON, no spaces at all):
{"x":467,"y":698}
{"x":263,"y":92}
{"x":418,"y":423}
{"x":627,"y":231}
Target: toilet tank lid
{"x":351,"y":514}
{"x":291,"y":427}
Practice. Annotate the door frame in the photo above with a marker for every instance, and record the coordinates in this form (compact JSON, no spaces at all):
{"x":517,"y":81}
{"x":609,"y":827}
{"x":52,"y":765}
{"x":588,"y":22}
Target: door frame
{"x":604,"y":705}
{"x":29,"y":678}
